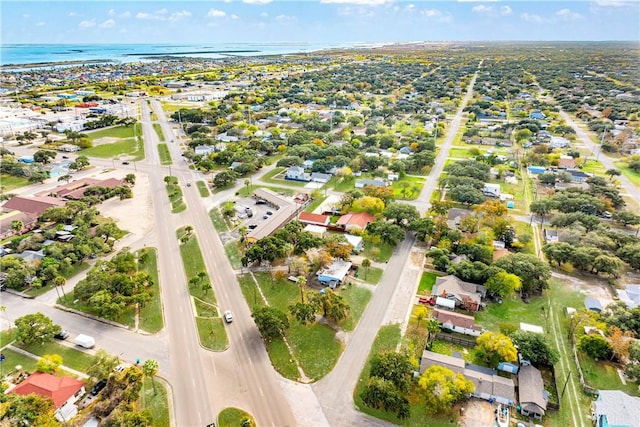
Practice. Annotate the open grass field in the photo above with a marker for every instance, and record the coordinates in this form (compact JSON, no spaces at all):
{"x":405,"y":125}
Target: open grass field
{"x":594,"y":167}
{"x":124,"y":147}
{"x":122,"y":132}
{"x":357,"y":298}
{"x":603,"y":375}
{"x":74,"y":359}
{"x":212,"y":333}
{"x":427,"y":281}
{"x":218,"y":221}
{"x":344,"y":184}
{"x":10,"y":183}
{"x":164,"y":154}
{"x":407,"y":188}
{"x":203,"y":189}
{"x":158,"y":129}
{"x":246,"y":191}
{"x":155,"y":400}
{"x":371,"y":275}
{"x":379,"y":253}
{"x":633,"y":176}
{"x":233,"y":417}
{"x":151,"y":319}
{"x":13,"y":359}
{"x":194,"y":264}
{"x":234,"y":254}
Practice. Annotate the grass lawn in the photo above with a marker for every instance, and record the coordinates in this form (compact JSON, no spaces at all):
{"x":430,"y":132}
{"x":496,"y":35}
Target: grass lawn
{"x":203,"y":189}
{"x":151,"y":314}
{"x":344,"y":184}
{"x":113,"y":132}
{"x":75,"y":269}
{"x":357,"y":298}
{"x":10,"y":183}
{"x":158,"y":129}
{"x":408,"y":188}
{"x":427,"y":281}
{"x":74,"y":359}
{"x":247,"y":191}
{"x":233,"y":417}
{"x":594,"y":167}
{"x":124,"y":147}
{"x":313,"y":205}
{"x":371,"y":275}
{"x":212,"y":334}
{"x":634,"y":177}
{"x":218,"y":221}
{"x":269,"y":178}
{"x":379,"y":253}
{"x":234,"y":254}
{"x":175,"y":196}
{"x":155,"y":402}
{"x":513,"y":310}
{"x":315,"y":347}
{"x":281,"y":360}
{"x":604,"y":376}
{"x":523,"y":228}
{"x":193,"y":264}
{"x":165,"y":156}
{"x":13,"y":359}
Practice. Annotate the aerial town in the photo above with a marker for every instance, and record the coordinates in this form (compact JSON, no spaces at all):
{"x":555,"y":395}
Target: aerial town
{"x":430,"y":234}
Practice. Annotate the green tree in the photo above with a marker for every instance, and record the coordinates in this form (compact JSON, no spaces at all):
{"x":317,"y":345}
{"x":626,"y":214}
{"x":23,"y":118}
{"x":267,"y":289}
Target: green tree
{"x":372,"y":205}
{"x":401,"y":214}
{"x":36,"y":327}
{"x":49,"y":363}
{"x":43,"y":156}
{"x":442,"y":388}
{"x":224,"y":179}
{"x":81,"y":162}
{"x":304,"y":312}
{"x":103,"y":365}
{"x":532,"y":271}
{"x":433,"y":329}
{"x":494,"y":347}
{"x":612,"y":173}
{"x":30,"y":410}
{"x":271,"y":322}
{"x":130,"y":179}
{"x":394,"y":367}
{"x":150,"y":370}
{"x":332,"y":305}
{"x":535,"y":348}
{"x":503,"y":284}
{"x":381,"y":394}
{"x":366,"y":263}
{"x":595,"y":345}
{"x":542,"y":208}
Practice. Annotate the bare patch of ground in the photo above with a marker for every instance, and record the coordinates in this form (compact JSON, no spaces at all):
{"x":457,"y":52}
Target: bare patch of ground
{"x":106,"y":140}
{"x":477,"y":413}
{"x":417,"y":258}
{"x":133,"y":215}
{"x":589,"y":286}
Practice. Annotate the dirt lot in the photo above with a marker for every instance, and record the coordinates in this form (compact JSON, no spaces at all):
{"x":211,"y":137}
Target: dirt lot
{"x":478,"y":413}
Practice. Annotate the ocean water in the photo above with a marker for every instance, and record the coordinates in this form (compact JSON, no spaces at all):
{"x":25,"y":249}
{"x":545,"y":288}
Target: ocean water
{"x":40,"y":53}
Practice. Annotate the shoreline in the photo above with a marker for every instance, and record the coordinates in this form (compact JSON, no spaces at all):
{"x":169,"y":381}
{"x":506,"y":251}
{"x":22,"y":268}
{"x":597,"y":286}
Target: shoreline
{"x":58,"y":63}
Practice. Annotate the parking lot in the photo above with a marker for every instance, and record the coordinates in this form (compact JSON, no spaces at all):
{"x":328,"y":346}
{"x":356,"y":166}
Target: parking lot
{"x":258,"y":211}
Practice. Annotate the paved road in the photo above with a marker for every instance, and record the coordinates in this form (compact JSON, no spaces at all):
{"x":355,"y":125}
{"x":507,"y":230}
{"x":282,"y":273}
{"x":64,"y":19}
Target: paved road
{"x":632,"y":190}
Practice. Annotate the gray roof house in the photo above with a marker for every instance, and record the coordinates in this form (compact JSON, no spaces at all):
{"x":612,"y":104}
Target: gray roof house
{"x":531,"y":394}
{"x":322,"y":178}
{"x":615,"y":408}
{"x":630,"y":295}
{"x":296,"y":173}
{"x":203,"y":150}
{"x":376,"y":182}
{"x":466,"y":294}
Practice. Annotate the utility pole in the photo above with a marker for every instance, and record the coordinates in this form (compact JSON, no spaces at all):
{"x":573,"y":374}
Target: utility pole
{"x":565,"y":385}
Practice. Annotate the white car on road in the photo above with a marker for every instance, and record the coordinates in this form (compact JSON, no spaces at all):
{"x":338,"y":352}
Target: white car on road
{"x":228,"y":317}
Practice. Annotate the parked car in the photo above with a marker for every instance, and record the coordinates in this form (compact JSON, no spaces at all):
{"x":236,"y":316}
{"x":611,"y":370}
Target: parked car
{"x":125,"y":163}
{"x":269,"y":213}
{"x":265,"y":216}
{"x":121,"y":367}
{"x":62,"y":335}
{"x":65,"y":157}
{"x":228,"y":317}
{"x":252,"y":226}
{"x":98,"y":387}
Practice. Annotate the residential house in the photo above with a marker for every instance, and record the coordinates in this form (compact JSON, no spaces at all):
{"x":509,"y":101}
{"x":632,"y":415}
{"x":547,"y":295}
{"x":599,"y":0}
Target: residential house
{"x":457,"y":322}
{"x":75,"y":189}
{"x":528,"y":327}
{"x":566,"y":162}
{"x":316,"y":230}
{"x":537,"y":115}
{"x":466,"y":295}
{"x":593,"y":304}
{"x":551,"y":235}
{"x":322,"y":178}
{"x":393,"y":177}
{"x":531,"y":394}
{"x":203,"y":150}
{"x":296,"y":173}
{"x":578,"y":175}
{"x":488,"y":385}
{"x":334,"y":274}
{"x":7,"y":225}
{"x":615,"y":408}
{"x":455,"y":216}
{"x":223,"y":137}
{"x":491,"y":190}
{"x":314,"y":219}
{"x":63,"y":391}
{"x":356,"y":241}
{"x":234,"y":165}
{"x":32,"y":205}
{"x":536,"y":170}
{"x":357,"y":221}
{"x":405,"y":150}
{"x":308,"y":164}
{"x":376,"y":182}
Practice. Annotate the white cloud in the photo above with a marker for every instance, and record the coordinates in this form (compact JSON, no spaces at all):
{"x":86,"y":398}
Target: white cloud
{"x":176,"y":16}
{"x":126,"y":14}
{"x":358,"y":2}
{"x":568,"y":15}
{"x":257,"y":1}
{"x":112,"y":12}
{"x":26,"y":15}
{"x":482,"y":9}
{"x":162,"y":11}
{"x":613,"y":3}
{"x":505,"y":10}
{"x":40,"y":24}
{"x":87,"y":23}
{"x":286,"y":18}
{"x":235,"y":17}
{"x":215,"y":13}
{"x":355,"y":11}
{"x":108,"y":23}
{"x":73,"y":14}
{"x":143,"y":15}
{"x":532,"y":17}
{"x":492,"y":10}
{"x":264,"y":15}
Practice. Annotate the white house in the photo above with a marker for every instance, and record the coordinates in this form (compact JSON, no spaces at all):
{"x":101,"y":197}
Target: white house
{"x":334,"y":274}
{"x":356,"y":241}
{"x":296,"y":173}
{"x":491,"y":190}
{"x":203,"y":150}
{"x":316,"y":230}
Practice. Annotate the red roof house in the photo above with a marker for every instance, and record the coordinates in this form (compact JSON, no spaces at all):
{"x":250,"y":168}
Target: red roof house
{"x":314,"y":219}
{"x":355,"y":220}
{"x":32,"y":205}
{"x":76,"y":189}
{"x":58,"y":389}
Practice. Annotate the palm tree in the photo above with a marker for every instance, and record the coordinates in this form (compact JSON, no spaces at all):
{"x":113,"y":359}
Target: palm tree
{"x":302,"y":282}
{"x":150,"y":369}
{"x":366,"y":263}
{"x":433,"y":327}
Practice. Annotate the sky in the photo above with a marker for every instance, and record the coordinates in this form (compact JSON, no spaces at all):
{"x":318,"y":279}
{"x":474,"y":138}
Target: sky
{"x":315,"y":21}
